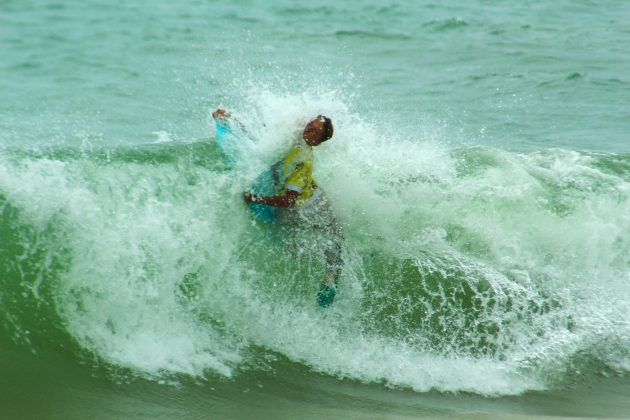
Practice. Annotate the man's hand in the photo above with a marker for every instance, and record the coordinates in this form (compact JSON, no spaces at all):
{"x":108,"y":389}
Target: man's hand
{"x":249,"y":197}
{"x":220,"y":113}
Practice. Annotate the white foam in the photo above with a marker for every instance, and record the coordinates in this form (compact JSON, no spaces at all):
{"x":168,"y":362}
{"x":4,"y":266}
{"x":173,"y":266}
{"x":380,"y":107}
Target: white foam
{"x":544,"y":236}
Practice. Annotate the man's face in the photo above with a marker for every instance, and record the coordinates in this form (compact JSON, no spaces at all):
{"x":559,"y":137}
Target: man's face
{"x":314,"y":132}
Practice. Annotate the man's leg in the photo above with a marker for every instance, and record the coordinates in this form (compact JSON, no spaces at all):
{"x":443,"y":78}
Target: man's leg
{"x":334,"y":266}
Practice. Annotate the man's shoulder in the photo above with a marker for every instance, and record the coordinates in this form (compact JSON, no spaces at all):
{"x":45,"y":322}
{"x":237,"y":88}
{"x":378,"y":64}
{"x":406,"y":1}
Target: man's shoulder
{"x":299,"y":153}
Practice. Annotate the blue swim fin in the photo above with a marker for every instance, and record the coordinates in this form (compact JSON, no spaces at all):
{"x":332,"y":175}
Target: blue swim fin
{"x":326,"y":295}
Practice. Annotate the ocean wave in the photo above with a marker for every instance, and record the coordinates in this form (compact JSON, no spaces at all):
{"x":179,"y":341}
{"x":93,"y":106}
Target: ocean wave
{"x":369,"y":34}
{"x":469,"y":269}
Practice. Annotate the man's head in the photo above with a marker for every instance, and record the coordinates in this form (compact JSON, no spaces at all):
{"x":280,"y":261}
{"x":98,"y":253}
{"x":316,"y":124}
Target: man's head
{"x":318,"y":130}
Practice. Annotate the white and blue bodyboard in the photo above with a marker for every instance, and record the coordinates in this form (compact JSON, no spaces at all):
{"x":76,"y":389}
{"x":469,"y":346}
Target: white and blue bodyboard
{"x":230,"y":135}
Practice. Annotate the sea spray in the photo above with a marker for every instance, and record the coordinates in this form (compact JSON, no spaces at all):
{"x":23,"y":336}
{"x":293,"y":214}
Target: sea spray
{"x":467,"y":268}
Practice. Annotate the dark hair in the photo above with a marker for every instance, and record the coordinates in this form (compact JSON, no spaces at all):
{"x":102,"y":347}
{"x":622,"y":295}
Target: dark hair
{"x":328,"y":127}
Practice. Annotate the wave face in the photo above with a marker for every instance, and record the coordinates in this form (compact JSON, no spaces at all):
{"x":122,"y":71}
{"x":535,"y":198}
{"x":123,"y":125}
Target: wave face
{"x":466,"y":268}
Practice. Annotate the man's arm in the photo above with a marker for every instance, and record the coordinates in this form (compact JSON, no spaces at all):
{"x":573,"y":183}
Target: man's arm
{"x":287,"y":200}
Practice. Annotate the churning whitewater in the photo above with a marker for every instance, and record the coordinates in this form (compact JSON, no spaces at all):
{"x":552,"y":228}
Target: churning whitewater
{"x":467,"y":268}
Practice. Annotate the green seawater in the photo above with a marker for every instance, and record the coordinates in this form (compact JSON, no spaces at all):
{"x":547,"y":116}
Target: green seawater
{"x":480,"y":170}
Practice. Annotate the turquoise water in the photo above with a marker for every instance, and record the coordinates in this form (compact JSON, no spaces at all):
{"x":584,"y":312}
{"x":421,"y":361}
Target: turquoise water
{"x":480,"y":169}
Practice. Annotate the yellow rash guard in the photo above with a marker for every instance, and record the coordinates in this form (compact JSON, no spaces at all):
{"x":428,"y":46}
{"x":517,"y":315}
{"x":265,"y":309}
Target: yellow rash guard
{"x":297,"y":167}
